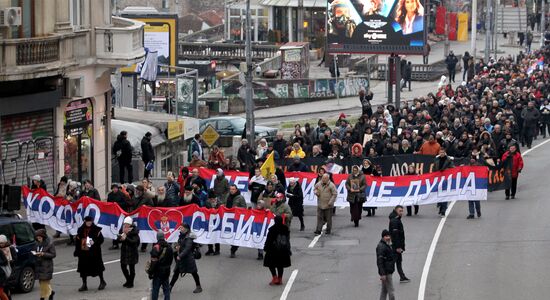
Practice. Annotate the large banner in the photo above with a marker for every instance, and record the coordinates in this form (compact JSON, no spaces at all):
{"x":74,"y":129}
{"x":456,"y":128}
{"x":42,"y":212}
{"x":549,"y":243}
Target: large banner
{"x":397,"y":165}
{"x":231,"y":226}
{"x":461,"y":183}
{"x":380,"y":26}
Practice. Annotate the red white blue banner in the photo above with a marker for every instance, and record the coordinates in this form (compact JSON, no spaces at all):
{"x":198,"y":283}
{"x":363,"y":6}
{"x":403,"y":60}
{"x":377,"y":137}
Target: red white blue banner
{"x":231,"y":226}
{"x":460,"y":183}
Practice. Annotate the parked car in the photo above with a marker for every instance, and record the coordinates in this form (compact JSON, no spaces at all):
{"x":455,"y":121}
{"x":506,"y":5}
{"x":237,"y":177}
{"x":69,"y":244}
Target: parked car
{"x":231,"y":126}
{"x":20,"y":233}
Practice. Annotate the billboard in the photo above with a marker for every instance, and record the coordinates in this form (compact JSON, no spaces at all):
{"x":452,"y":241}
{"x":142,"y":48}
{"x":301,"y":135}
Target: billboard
{"x":160,"y":34}
{"x":376,"y":26}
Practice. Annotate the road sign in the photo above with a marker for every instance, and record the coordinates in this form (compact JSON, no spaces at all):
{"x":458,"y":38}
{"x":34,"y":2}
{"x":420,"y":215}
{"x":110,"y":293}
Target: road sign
{"x":210,"y":135}
{"x":175,"y":129}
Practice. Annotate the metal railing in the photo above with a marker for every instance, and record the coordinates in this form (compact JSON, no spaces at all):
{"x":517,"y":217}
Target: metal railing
{"x":224,"y":51}
{"x":420,"y":72}
{"x":39,"y":51}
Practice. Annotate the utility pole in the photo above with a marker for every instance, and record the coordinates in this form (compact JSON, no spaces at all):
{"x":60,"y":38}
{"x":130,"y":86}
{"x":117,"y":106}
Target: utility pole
{"x":447,"y":43}
{"x":542,"y":22}
{"x":300,"y":21}
{"x":474,"y":29}
{"x":488,"y":32}
{"x":249,"y":102}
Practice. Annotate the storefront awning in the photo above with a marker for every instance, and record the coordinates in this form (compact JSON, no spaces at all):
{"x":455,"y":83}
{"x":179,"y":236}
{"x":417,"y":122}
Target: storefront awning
{"x":294,"y":3}
{"x":136,"y":131}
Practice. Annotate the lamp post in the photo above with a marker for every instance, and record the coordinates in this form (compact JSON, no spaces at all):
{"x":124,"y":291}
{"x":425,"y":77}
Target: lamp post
{"x":249,"y":102}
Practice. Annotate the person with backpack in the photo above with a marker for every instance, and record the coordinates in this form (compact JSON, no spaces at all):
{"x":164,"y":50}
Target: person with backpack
{"x":277,"y":250}
{"x":185,"y":258}
{"x":159,"y":267}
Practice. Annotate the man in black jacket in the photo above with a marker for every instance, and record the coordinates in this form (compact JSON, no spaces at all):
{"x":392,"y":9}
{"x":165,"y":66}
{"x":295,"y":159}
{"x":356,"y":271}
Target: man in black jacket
{"x":147,"y":154}
{"x":451,"y":62}
{"x":442,"y":162}
{"x":398,"y":240}
{"x":122,"y":150}
{"x":161,"y":262}
{"x":386,"y":265}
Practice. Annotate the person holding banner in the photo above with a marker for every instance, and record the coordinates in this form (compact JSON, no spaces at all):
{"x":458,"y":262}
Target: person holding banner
{"x":256,"y":185}
{"x":280,"y":208}
{"x":213,"y":203}
{"x":235,"y":199}
{"x":326,"y":196}
{"x":442,"y":162}
{"x":88,"y":242}
{"x":412,"y":171}
{"x":277,"y":250}
{"x":355,"y":185}
{"x":369,"y":169}
{"x":517,"y":165}
{"x":221,"y":185}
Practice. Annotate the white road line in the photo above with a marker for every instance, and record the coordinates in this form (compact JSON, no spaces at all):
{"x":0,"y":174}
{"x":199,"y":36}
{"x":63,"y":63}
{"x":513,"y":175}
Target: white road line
{"x":288,"y":285}
{"x":74,"y":270}
{"x":317,"y":237}
{"x":426,"y":270}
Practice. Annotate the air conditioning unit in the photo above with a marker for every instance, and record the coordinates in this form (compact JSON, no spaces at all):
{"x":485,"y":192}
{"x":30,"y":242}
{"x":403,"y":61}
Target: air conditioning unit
{"x":74,"y":87}
{"x":10,"y":16}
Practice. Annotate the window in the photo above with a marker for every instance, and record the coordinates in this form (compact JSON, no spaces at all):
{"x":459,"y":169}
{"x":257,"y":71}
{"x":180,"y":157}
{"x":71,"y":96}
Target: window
{"x":224,"y":125}
{"x":77,"y":13}
{"x":23,"y":233}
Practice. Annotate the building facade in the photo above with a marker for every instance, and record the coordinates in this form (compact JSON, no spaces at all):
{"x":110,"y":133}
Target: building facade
{"x":55,"y":92}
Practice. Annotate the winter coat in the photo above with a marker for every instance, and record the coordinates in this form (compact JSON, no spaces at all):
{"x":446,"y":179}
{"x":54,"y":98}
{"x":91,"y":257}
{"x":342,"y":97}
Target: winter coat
{"x":147,"y":152}
{"x":384,"y":258}
{"x":530,"y":116}
{"x":172,"y":193}
{"x":161,"y":263}
{"x":441,"y":164}
{"x":44,"y":264}
{"x":92,"y":193}
{"x":451,"y":62}
{"x":274,"y":257}
{"x":295,"y":199}
{"x":256,"y":186}
{"x":221,"y":187}
{"x":280,"y":209}
{"x":397,"y":232}
{"x":117,"y":197}
{"x":429,"y":148}
{"x":299,"y":167}
{"x":326,"y":195}
{"x":517,"y":162}
{"x":236,"y":200}
{"x":90,"y":261}
{"x":129,"y":247}
{"x":185,"y":260}
{"x":360,"y":182}
{"x":4,"y":262}
{"x":125,"y":148}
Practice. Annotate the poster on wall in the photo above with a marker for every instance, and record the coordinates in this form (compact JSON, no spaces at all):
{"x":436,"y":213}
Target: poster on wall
{"x":376,"y":26}
{"x":186,"y":96}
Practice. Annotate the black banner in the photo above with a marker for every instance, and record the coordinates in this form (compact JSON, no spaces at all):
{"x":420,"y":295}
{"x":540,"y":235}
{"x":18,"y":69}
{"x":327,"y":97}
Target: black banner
{"x":397,"y":165}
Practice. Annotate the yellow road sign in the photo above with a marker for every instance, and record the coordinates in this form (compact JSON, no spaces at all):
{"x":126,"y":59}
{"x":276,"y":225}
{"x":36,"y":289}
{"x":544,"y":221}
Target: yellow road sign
{"x":210,"y":135}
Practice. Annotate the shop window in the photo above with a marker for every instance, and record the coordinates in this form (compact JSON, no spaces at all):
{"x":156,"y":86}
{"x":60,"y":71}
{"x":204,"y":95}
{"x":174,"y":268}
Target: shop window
{"x":78,"y":143}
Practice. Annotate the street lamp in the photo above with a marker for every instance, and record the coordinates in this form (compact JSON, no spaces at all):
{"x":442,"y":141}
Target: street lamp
{"x":249,"y":101}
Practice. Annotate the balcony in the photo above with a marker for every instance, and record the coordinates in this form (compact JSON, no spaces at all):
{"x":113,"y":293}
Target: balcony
{"x":120,"y":44}
{"x":29,"y":58}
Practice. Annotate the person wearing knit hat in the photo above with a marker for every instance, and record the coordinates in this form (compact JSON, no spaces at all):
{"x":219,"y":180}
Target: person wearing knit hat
{"x":185,"y":258}
{"x":162,"y":256}
{"x":128,"y":238}
{"x":221,"y":185}
{"x":386,"y":265}
{"x":44,"y":251}
{"x":88,"y":242}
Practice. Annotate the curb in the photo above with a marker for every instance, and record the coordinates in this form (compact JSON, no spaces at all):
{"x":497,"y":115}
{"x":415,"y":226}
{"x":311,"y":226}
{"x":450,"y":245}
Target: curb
{"x":313,"y":112}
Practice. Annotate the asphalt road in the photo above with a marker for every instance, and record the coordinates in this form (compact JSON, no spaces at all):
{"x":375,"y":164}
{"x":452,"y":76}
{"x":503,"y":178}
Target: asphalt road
{"x":500,"y":256}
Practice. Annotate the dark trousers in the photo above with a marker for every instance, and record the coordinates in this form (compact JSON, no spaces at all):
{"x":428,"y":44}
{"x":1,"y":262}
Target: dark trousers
{"x":399,"y":264}
{"x":514,"y":188}
{"x":409,"y":210}
{"x":355,"y":210}
{"x":442,"y":207}
{"x":159,"y":282}
{"x":129,"y":272}
{"x":452,"y":73}
{"x":125,"y":167}
{"x":528,"y":134}
{"x":474,"y":206}
{"x":544,"y":128}
{"x":276,"y":271}
{"x":234,"y":249}
{"x":146,"y":173}
{"x":211,"y":247}
{"x":177,"y":275}
{"x":464,"y":73}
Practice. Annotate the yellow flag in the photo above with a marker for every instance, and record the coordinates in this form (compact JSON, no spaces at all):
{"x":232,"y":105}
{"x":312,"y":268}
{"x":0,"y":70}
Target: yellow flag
{"x":268,"y":167}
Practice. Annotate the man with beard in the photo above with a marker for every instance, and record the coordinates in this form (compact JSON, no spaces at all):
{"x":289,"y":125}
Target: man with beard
{"x":341,"y":26}
{"x":189,"y":197}
{"x":160,"y":197}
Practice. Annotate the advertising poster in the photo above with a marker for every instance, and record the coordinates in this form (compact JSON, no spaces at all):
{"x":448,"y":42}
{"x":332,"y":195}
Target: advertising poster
{"x":156,"y":37}
{"x":376,"y":26}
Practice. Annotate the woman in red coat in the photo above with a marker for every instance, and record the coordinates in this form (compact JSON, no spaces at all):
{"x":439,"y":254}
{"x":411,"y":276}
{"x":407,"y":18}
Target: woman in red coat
{"x":517,"y":166}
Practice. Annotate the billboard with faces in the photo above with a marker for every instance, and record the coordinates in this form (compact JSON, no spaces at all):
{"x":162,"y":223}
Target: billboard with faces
{"x":376,"y":26}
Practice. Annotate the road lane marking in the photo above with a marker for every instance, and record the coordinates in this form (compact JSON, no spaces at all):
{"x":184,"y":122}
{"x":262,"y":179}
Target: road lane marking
{"x":317,"y":237}
{"x":74,"y":270}
{"x":426,"y":270}
{"x":289,"y":284}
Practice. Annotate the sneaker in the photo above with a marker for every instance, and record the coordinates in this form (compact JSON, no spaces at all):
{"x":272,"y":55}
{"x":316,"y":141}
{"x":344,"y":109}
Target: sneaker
{"x":404,"y":280}
{"x":197,"y":290}
{"x":442,"y":215}
{"x":470,"y":217}
{"x":83,"y":288}
{"x":302,"y":227}
{"x":317,"y":232}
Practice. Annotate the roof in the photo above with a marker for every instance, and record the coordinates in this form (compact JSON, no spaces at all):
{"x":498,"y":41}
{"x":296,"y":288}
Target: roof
{"x":211,"y":17}
{"x":136,"y":131}
{"x":156,"y":119}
